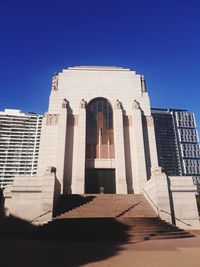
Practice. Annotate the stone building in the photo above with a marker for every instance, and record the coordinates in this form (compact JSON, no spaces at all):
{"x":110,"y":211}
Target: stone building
{"x":98,"y":137}
{"x":98,"y":131}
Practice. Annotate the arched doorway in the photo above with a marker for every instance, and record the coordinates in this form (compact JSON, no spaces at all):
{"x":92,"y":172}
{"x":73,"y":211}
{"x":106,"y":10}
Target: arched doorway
{"x":99,"y":145}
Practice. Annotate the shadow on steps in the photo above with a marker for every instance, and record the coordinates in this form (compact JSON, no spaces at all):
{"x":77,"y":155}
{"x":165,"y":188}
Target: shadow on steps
{"x":54,"y":247}
{"x":15,"y":227}
{"x":84,"y":229}
{"x":108,"y":229}
{"x":70,"y":202}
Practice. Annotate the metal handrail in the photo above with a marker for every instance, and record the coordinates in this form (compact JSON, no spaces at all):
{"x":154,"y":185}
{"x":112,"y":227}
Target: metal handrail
{"x":176,"y":218}
{"x":39,"y":216}
{"x":164,"y":210}
{"x":152,"y":201}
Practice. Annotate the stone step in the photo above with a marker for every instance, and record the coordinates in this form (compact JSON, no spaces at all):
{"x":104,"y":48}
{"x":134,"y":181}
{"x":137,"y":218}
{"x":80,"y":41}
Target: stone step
{"x":105,"y":206}
{"x":126,"y":218}
{"x":104,"y":229}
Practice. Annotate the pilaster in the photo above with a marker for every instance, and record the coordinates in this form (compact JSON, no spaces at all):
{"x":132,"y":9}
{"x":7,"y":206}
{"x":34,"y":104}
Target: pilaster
{"x":152,"y":142}
{"x":61,"y":145}
{"x":48,"y":142}
{"x":80,"y":162}
{"x":138,"y":151}
{"x":120,"y":172}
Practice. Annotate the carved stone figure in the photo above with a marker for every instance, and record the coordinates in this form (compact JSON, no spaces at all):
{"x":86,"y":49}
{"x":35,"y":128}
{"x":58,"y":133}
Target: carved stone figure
{"x":52,"y":119}
{"x":65,"y":103}
{"x":136,"y":104}
{"x":50,"y":170}
{"x":117,"y":104}
{"x":83,"y":103}
{"x":55,"y":82}
{"x":143,"y":84}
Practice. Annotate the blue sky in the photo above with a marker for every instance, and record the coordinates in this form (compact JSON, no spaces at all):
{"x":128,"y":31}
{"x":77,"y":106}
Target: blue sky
{"x":157,"y":38}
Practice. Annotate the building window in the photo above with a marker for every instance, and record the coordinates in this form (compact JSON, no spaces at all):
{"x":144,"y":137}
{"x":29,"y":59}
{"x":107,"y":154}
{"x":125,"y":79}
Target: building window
{"x":99,"y":129}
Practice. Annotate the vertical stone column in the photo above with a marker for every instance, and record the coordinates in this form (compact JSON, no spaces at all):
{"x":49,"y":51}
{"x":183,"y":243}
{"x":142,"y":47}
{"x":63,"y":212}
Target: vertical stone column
{"x":120,"y":172}
{"x":61,"y":145}
{"x":152,"y":143}
{"x":80,"y":163}
{"x":48,"y":142}
{"x":137,"y":149}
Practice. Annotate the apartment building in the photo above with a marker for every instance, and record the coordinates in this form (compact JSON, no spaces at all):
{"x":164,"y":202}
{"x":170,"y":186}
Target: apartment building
{"x":19,"y":144}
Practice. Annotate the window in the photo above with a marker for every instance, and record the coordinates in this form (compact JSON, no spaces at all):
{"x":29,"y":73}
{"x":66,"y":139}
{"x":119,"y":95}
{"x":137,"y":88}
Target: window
{"x":99,"y":129}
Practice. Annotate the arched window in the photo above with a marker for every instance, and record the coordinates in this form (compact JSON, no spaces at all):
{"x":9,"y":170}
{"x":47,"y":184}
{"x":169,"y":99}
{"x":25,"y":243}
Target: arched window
{"x":99,"y":129}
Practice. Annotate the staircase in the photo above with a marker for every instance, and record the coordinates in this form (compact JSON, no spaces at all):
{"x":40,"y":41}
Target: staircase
{"x":106,"y":205}
{"x":107,"y":217}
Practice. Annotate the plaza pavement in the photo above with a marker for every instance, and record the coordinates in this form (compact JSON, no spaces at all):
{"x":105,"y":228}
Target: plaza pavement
{"x":151,"y":253}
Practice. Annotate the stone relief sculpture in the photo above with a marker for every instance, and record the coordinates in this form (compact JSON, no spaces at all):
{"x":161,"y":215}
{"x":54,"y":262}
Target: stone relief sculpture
{"x":117,"y":104}
{"x":49,"y":170}
{"x":83,"y":103}
{"x":55,"y":82}
{"x":143,"y":84}
{"x":52,"y":119}
{"x":65,"y":103}
{"x":136,"y":104}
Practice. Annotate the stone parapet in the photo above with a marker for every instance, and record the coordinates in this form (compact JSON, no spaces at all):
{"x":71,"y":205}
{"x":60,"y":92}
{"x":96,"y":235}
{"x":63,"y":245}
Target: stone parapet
{"x":32,"y":198}
{"x":174,"y":200}
{"x":183,"y":194}
{"x":157,"y":193}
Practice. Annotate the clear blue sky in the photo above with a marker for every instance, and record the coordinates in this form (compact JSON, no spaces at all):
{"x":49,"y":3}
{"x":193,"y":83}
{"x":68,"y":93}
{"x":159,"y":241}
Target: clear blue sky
{"x":157,"y":38}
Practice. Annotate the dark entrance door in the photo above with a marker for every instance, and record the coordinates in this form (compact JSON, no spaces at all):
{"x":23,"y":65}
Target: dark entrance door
{"x":100,"y":180}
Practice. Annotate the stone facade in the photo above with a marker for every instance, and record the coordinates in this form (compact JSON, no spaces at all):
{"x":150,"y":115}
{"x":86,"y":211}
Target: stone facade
{"x":98,"y":134}
{"x":124,"y":90}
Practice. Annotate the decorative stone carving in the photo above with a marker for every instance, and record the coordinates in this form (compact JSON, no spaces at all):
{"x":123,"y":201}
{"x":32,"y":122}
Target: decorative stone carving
{"x":83,"y":103}
{"x":55,"y":82}
{"x":52,"y":119}
{"x":143,"y":84}
{"x":65,"y":103}
{"x":50,"y":170}
{"x":149,"y":120}
{"x":117,"y":104}
{"x":136,"y":104}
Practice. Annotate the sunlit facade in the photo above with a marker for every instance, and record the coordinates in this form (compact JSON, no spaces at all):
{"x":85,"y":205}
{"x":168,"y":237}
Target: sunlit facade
{"x":19,"y":144}
{"x":98,"y":137}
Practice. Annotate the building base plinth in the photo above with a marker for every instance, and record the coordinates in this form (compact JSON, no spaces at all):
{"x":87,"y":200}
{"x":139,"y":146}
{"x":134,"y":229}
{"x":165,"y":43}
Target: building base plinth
{"x":173,"y":198}
{"x":32,"y":198}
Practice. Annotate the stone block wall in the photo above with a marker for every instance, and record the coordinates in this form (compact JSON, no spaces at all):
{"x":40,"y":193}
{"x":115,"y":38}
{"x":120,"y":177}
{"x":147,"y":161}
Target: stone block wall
{"x":184,"y":201}
{"x":32,"y":198}
{"x":174,"y":199}
{"x":157,"y":193}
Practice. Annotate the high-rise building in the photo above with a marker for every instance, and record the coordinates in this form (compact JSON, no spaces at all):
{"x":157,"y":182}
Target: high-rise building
{"x":177,"y":142}
{"x":19,"y":144}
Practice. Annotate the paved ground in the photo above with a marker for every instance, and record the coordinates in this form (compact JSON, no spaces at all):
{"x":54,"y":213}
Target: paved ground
{"x":173,"y":253}
{"x":165,"y":253}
